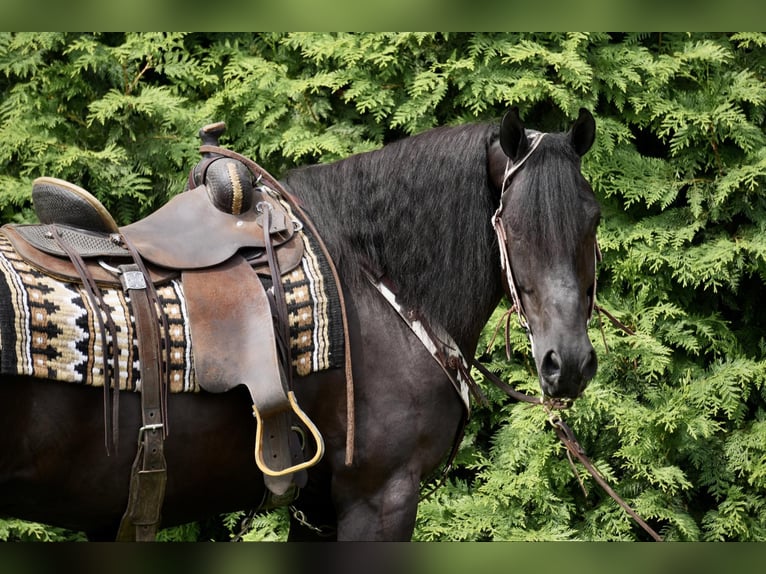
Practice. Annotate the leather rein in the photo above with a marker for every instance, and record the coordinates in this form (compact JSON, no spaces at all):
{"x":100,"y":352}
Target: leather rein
{"x":447,"y":353}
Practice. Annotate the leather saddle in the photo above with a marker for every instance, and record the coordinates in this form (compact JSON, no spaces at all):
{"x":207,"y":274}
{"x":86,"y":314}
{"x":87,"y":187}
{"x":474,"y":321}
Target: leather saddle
{"x":218,"y":236}
{"x":188,"y":232}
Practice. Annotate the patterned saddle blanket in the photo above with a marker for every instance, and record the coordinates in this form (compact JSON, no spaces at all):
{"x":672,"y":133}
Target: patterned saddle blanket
{"x":48,"y":328}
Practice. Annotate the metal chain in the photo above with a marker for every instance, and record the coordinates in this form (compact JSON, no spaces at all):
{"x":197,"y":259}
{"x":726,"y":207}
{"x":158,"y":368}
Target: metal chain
{"x":300,"y":518}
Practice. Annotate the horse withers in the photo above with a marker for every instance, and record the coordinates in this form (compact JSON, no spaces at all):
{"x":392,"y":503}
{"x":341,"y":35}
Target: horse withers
{"x":421,"y":215}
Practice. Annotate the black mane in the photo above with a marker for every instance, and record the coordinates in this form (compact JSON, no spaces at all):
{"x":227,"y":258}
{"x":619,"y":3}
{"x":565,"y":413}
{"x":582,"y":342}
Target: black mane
{"x":418,"y":210}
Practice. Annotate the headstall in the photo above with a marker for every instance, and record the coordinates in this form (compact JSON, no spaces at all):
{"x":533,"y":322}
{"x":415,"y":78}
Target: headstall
{"x":534,"y":138}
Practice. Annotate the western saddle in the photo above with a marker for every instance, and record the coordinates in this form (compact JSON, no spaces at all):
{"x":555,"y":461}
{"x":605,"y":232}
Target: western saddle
{"x":224,"y":231}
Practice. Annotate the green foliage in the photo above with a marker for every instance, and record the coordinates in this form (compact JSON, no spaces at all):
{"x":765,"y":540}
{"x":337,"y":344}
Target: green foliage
{"x":13,"y":530}
{"x":675,"y":416}
{"x":266,"y":527}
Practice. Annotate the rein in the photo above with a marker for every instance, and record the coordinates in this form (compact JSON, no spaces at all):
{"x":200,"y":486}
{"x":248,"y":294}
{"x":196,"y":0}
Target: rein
{"x":567,"y":436}
{"x":447,"y":353}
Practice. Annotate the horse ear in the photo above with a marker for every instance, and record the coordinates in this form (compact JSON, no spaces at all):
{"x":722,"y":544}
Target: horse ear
{"x":583,"y":132}
{"x":513,"y":139}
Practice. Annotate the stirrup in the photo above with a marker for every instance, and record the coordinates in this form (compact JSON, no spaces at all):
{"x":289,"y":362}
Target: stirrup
{"x":295,"y":468}
{"x":59,"y":201}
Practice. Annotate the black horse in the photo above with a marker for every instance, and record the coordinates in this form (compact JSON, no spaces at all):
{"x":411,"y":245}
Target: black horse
{"x":418,"y":212}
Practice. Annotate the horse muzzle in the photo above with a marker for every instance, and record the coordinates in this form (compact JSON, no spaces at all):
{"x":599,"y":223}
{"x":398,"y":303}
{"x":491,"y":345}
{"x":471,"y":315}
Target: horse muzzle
{"x":566,"y":370}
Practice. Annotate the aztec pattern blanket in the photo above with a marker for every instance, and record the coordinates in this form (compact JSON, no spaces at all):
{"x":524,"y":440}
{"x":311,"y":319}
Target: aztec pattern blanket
{"x":48,"y":328}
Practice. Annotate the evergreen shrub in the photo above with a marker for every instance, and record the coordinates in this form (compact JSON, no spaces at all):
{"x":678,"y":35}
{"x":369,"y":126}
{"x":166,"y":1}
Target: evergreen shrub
{"x":675,"y":418}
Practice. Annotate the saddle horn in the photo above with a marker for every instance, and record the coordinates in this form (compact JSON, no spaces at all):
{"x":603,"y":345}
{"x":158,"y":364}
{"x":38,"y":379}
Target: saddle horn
{"x":229,"y":182}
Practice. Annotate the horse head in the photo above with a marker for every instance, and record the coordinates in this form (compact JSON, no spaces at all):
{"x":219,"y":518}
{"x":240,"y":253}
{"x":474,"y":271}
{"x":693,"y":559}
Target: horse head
{"x":546,"y":223}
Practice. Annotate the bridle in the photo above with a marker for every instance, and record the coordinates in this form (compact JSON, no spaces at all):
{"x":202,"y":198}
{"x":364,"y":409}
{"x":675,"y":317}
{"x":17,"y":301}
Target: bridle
{"x":534,"y":138}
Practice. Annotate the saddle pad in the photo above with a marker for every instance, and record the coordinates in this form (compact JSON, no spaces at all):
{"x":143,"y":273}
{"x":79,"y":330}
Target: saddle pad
{"x":48,"y":328}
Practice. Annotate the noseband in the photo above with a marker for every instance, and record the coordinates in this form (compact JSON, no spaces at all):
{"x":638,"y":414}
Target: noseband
{"x":534,"y":138}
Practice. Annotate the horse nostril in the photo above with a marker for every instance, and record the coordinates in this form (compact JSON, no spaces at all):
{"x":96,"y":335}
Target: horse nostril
{"x":551,"y":366}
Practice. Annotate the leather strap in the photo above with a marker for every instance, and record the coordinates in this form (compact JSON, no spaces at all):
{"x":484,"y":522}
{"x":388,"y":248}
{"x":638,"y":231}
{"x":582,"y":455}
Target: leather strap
{"x":149,"y":473}
{"x":105,"y":322}
{"x":569,"y":440}
{"x":445,"y":352}
{"x":567,"y":437}
{"x":282,"y":327}
{"x":435,"y":339}
{"x":161,"y":344}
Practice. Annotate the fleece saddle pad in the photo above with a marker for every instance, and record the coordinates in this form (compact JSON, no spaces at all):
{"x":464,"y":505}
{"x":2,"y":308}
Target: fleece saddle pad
{"x":48,"y":328}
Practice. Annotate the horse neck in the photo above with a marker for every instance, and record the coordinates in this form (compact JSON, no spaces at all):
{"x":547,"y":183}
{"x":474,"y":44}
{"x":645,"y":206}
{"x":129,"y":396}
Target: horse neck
{"x":420,"y":213}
